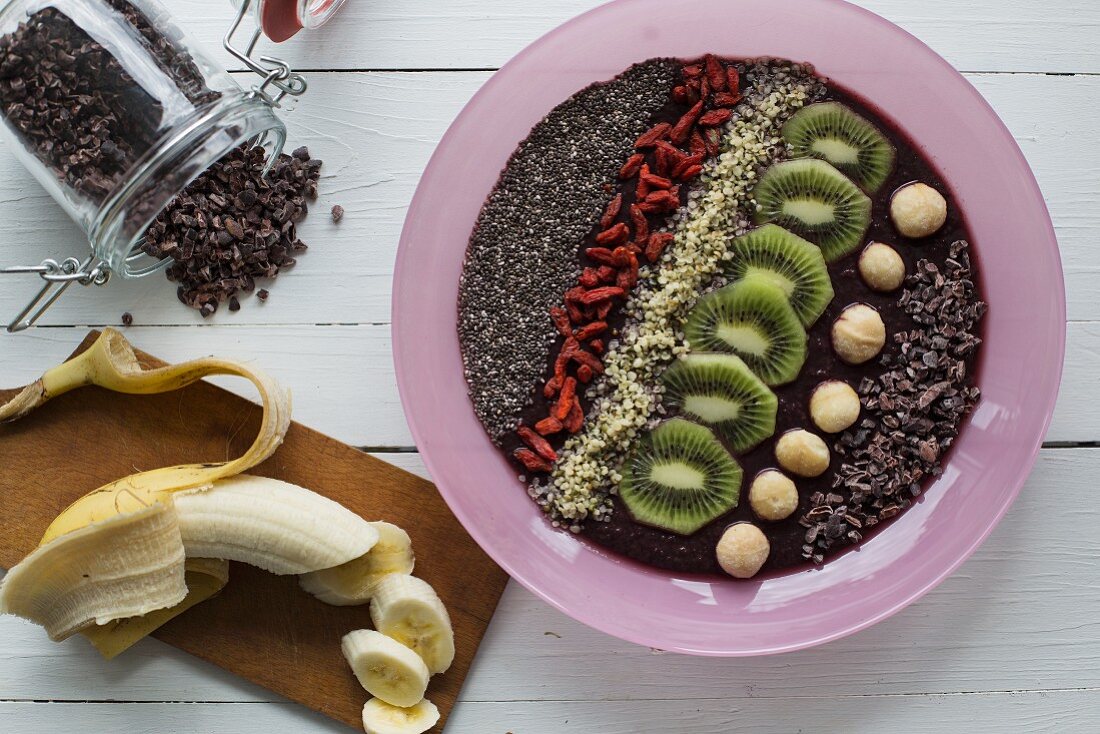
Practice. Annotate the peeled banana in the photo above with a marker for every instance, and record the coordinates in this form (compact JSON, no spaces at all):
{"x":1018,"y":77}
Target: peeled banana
{"x":385,"y":668}
{"x":408,"y":609}
{"x":354,"y":582}
{"x":279,"y":527}
{"x":380,"y":717}
{"x":124,"y":566}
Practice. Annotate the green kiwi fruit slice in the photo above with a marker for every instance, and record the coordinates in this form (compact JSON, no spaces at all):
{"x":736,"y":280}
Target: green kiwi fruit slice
{"x":814,"y":200}
{"x":788,"y":261}
{"x":752,"y":319}
{"x":720,"y":391}
{"x":832,"y":132}
{"x":679,"y":477}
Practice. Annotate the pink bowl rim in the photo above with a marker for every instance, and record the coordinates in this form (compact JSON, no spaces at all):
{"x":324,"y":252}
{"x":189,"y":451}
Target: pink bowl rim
{"x":403,"y":266}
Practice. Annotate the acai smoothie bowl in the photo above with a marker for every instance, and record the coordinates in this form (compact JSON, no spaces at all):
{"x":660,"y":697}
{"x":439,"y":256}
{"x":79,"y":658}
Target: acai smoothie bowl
{"x":723,"y":330}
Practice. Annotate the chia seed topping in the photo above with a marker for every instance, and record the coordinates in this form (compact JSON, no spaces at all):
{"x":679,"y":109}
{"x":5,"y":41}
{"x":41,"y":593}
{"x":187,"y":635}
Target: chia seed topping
{"x":522,"y":254}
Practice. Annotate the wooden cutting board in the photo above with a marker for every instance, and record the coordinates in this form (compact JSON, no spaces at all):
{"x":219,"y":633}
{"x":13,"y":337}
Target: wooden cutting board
{"x":261,"y":627}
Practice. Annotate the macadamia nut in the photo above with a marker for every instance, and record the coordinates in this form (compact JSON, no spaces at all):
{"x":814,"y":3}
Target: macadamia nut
{"x":742,"y":550}
{"x":802,"y":453}
{"x":859,"y":334}
{"x":881,"y":267}
{"x":773,"y":495}
{"x":834,"y":406}
{"x":918,"y":210}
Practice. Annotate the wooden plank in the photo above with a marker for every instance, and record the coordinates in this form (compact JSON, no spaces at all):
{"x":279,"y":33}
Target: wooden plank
{"x":1061,"y":712}
{"x":261,"y":627}
{"x":1022,"y":614}
{"x":377,"y":133}
{"x":343,"y":380}
{"x":999,"y":35}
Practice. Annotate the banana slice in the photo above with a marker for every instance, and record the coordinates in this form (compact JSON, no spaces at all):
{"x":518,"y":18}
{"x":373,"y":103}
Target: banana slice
{"x":125,"y":566}
{"x":381,"y":718}
{"x":385,"y":668}
{"x":279,"y":527}
{"x":354,"y":582}
{"x":408,"y":610}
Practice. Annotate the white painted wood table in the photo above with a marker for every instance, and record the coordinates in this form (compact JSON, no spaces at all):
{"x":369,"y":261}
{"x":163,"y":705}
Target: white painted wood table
{"x":1011,"y":642}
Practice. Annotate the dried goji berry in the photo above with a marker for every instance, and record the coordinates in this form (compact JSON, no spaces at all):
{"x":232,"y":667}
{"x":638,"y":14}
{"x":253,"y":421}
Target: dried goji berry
{"x":614,"y":236}
{"x":682,"y":131}
{"x":698,"y":145}
{"x":537,"y":443}
{"x":604,"y":293}
{"x":733,"y":80}
{"x":649,"y":138}
{"x":596,"y":345}
{"x":687,"y":163}
{"x":690,"y":173}
{"x":589,"y":278}
{"x":621,"y":256}
{"x":611,"y":212}
{"x":588,"y":331}
{"x":641,"y":224}
{"x":548,"y":426}
{"x":713,"y":138}
{"x":574,"y":422}
{"x":715,"y":117}
{"x":583,"y":357}
{"x":684,"y":94}
{"x":725,"y":99}
{"x":656,"y":182}
{"x":565,"y":399}
{"x":662,"y":200}
{"x":601,"y":255}
{"x":550,"y":389}
{"x":606,"y":273}
{"x":675,"y":155}
{"x":631,"y":167}
{"x":575,"y":313}
{"x":642,"y":190}
{"x":661,"y":163}
{"x":716,"y":73}
{"x":692,"y":71}
{"x":531,"y":460}
{"x":561,"y":321}
{"x":584,"y":374}
{"x":658,"y":241}
{"x":574,"y":295}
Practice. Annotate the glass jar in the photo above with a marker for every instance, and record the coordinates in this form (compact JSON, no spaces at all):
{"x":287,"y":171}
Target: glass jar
{"x":281,"y":19}
{"x":115,"y":110}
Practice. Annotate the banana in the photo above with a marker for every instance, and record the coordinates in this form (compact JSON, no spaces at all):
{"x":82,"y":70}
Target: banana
{"x":381,"y":718}
{"x":124,"y":566}
{"x":279,"y":527}
{"x":354,"y":582}
{"x":408,"y":610}
{"x":385,"y":668}
{"x":111,"y":363}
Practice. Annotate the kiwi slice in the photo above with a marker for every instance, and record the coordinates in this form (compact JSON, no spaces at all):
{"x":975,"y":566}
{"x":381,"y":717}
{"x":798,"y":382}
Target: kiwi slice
{"x":720,"y":390}
{"x":679,"y":478}
{"x":832,"y":132}
{"x":752,"y":319}
{"x":788,"y":261}
{"x":815,"y":201}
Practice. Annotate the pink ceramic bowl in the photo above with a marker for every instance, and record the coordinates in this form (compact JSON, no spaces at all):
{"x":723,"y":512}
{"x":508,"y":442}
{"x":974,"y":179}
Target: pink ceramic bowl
{"x":1025,"y":328}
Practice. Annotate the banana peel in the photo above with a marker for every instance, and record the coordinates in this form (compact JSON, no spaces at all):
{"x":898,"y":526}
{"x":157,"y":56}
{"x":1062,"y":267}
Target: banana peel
{"x":112,"y":364}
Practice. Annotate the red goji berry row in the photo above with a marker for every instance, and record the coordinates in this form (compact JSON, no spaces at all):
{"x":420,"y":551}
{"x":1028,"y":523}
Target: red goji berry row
{"x":666,"y":156}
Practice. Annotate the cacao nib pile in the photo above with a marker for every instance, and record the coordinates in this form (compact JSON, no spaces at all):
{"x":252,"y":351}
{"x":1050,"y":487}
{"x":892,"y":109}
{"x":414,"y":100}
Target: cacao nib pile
{"x":913,"y":410}
{"x":76,"y":108}
{"x":232,"y":226}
